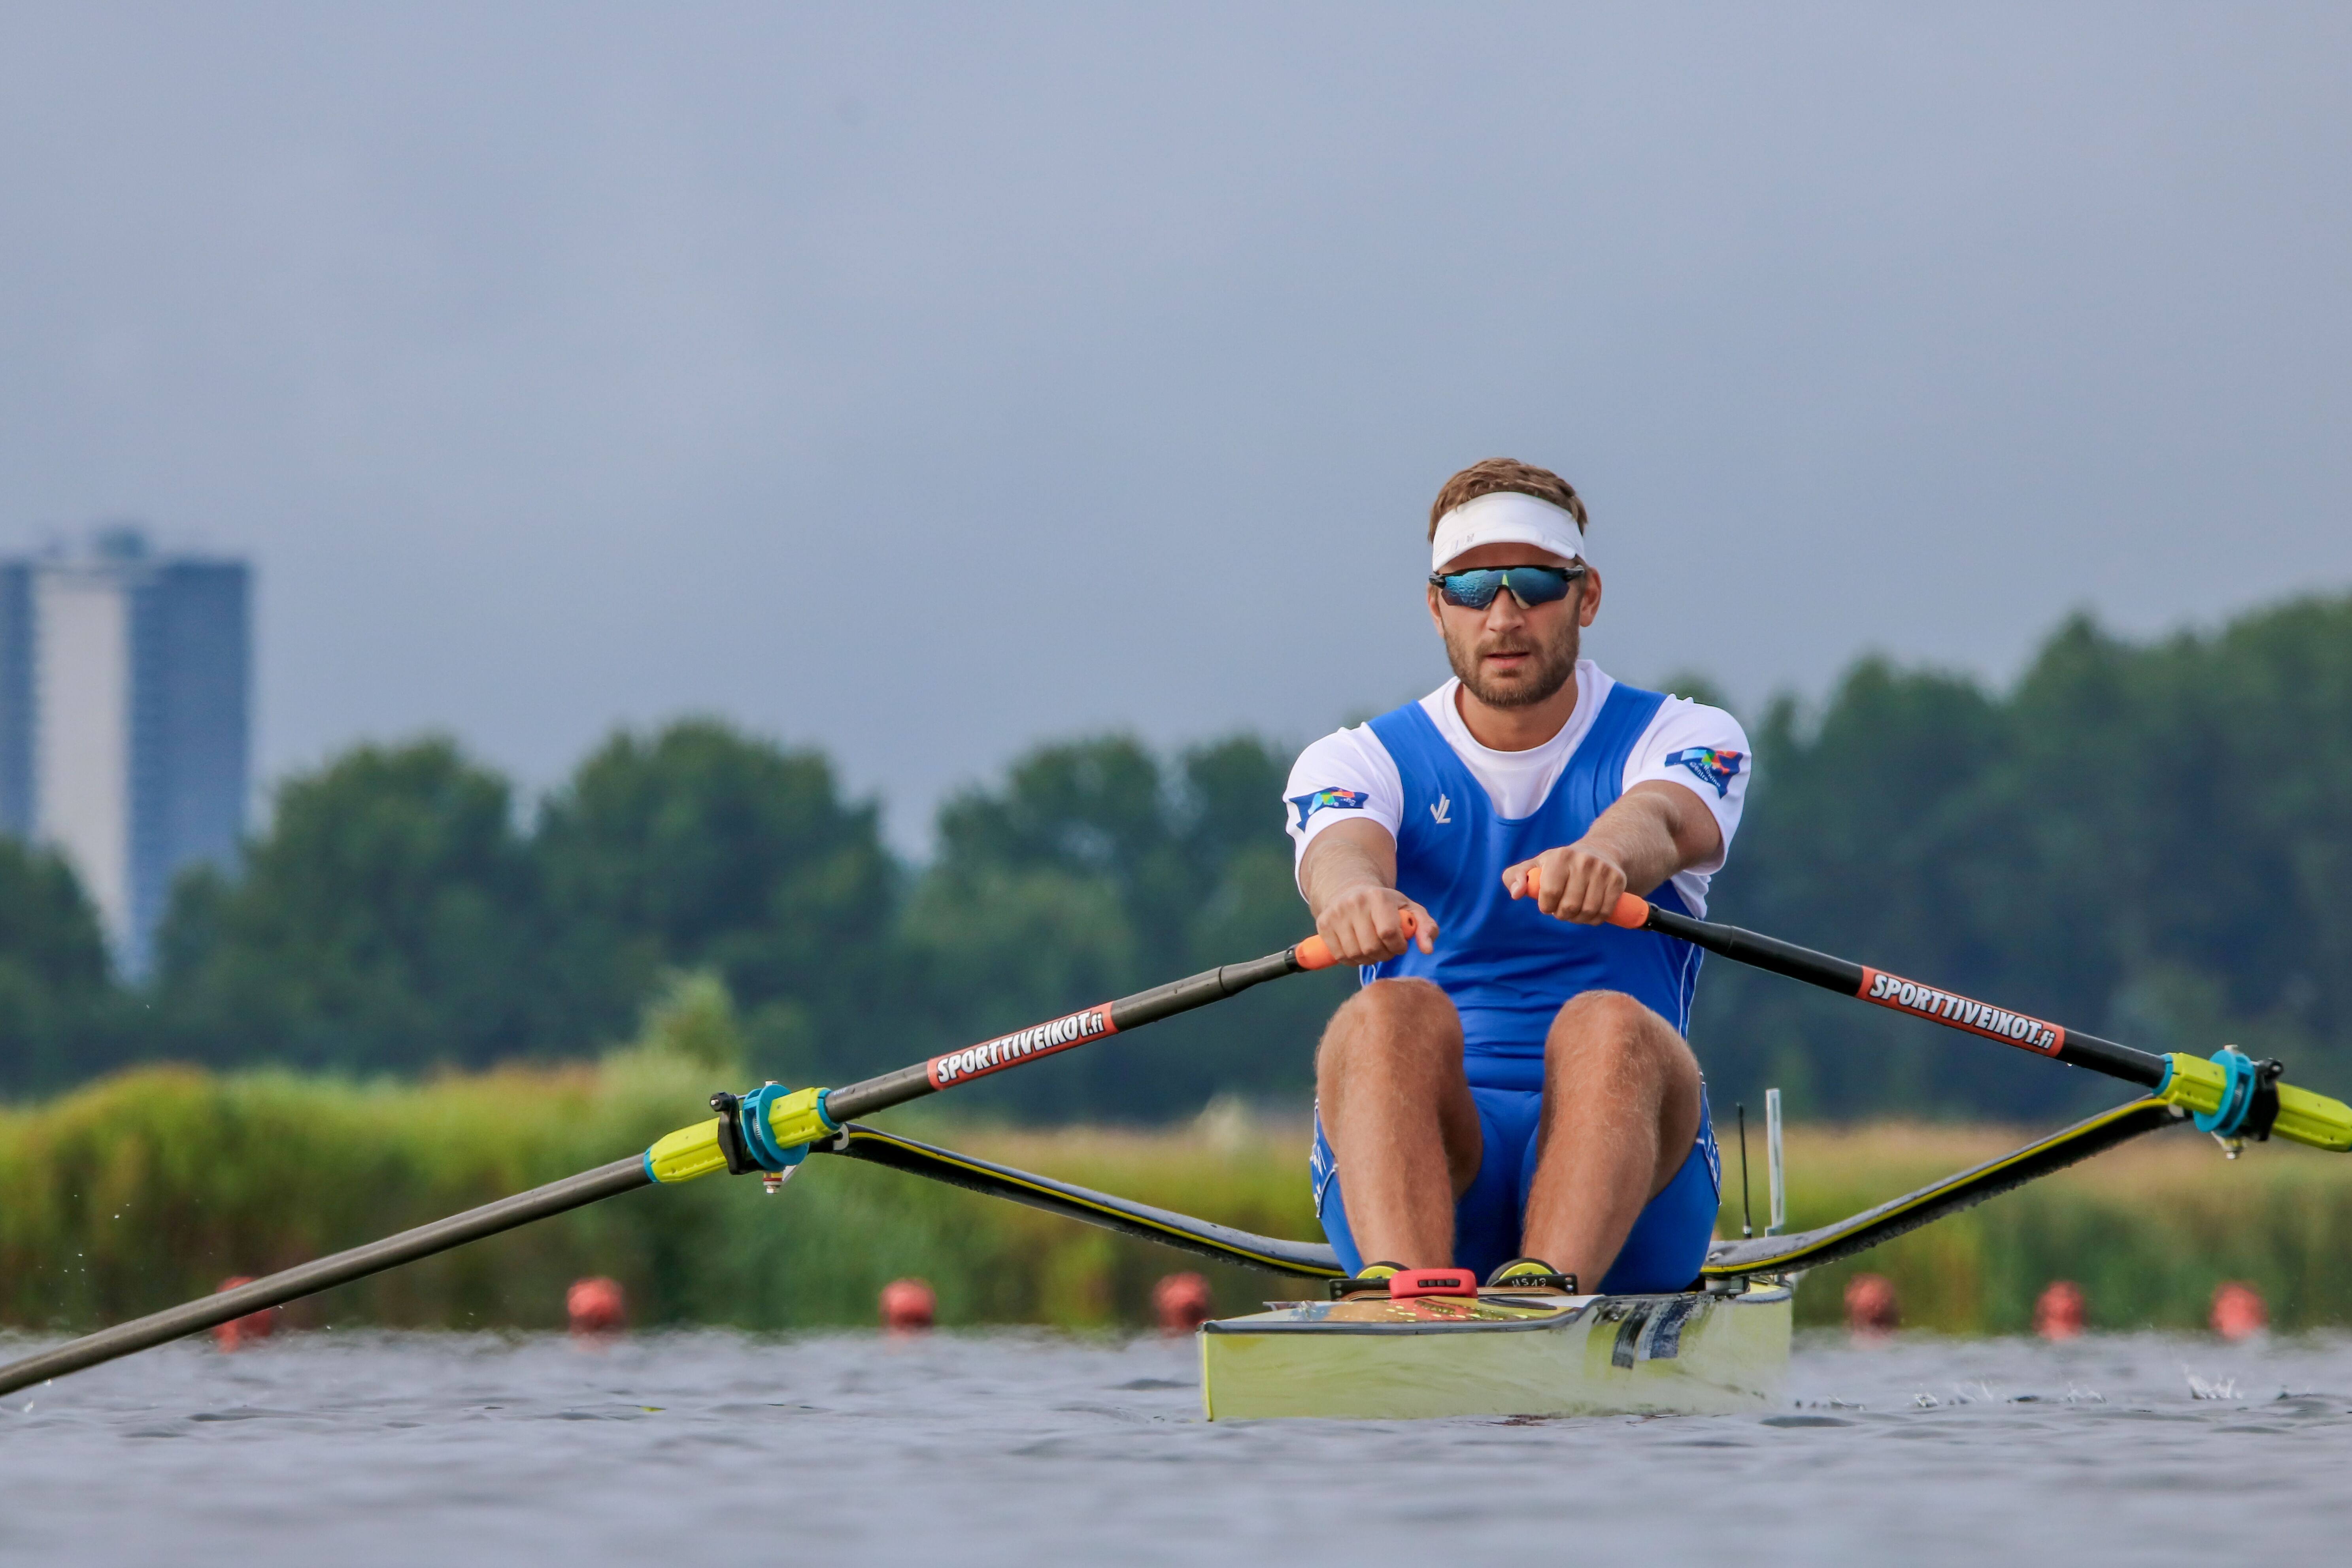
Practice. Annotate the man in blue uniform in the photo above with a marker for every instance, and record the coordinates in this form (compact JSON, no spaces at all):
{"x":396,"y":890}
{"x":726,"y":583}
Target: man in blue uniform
{"x":1510,"y":1092}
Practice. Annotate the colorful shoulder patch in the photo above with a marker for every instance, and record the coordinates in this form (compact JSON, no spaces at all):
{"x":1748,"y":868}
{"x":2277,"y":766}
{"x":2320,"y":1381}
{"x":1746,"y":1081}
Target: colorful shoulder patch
{"x":1318,"y":800}
{"x":1717,"y":768}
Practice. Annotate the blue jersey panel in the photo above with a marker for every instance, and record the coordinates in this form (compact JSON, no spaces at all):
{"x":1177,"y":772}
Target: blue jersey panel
{"x":1507,"y":966}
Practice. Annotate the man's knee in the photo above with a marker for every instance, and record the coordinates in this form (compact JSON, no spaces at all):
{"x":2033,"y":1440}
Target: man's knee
{"x":1609,"y":1031}
{"x":1390,"y":1015}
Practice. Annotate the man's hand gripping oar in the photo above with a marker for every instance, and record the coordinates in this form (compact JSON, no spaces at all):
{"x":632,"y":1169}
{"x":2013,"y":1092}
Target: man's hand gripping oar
{"x":2231,"y":1096}
{"x":768,"y":1129}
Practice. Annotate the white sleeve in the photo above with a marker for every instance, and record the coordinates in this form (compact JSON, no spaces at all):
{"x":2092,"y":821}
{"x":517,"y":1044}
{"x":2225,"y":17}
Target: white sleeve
{"x":1704,"y":749}
{"x":1347,"y":777}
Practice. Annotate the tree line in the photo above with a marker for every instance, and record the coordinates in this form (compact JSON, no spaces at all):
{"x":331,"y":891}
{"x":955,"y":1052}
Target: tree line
{"x":399,"y":914}
{"x":2144,"y":840}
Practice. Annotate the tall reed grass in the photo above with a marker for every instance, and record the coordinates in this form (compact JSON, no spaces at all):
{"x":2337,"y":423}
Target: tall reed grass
{"x":149,"y":1188}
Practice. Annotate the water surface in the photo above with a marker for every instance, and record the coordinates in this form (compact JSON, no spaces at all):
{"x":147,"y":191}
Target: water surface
{"x":357,"y":1449}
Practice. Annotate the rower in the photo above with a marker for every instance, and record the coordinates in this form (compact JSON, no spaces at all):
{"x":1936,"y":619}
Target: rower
{"x":1510,"y":1092}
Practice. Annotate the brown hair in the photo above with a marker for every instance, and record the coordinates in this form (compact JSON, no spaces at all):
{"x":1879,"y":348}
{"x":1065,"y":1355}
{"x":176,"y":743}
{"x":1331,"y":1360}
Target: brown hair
{"x":1494,"y":474}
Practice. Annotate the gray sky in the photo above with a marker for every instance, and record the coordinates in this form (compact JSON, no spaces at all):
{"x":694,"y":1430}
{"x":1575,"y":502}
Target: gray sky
{"x":923,"y":382}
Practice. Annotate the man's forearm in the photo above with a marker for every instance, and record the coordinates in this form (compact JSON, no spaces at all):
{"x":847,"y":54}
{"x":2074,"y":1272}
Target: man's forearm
{"x":1341,"y":861}
{"x":1639,"y":833}
{"x":1650,"y":834}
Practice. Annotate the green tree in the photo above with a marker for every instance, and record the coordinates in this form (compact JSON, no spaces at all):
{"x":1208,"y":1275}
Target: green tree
{"x":385,"y":920}
{"x":59,"y":1017}
{"x":690,"y":1022}
{"x":701,"y":848}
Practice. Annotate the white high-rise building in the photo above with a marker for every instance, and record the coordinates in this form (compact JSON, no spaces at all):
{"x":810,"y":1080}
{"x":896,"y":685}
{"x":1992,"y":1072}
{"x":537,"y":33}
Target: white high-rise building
{"x":124,"y":684}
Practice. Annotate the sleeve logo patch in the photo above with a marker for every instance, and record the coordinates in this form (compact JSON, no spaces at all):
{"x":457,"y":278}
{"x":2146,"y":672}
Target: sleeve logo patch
{"x":1717,"y":768}
{"x":1318,"y":800}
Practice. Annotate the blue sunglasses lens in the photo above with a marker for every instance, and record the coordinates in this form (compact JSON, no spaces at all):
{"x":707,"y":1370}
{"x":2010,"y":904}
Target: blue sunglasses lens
{"x":1471,"y":590}
{"x":1528,"y":585}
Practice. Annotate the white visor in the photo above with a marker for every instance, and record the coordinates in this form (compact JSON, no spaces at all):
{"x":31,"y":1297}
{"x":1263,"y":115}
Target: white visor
{"x":1507,"y":517}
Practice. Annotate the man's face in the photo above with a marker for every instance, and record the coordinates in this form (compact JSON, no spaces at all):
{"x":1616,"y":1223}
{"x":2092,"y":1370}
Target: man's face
{"x":1509,"y":655}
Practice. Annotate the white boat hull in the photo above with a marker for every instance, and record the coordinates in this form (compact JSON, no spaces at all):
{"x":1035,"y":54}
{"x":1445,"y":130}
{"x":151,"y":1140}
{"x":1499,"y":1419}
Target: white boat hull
{"x":1369,"y":1358}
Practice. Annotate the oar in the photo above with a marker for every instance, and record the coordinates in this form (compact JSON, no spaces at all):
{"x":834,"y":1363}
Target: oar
{"x":768,"y":1129}
{"x":2231,"y":1095}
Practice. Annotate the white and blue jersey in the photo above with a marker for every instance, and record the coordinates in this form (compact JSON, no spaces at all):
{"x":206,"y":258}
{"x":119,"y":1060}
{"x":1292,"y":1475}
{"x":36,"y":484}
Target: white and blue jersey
{"x":1460,"y":813}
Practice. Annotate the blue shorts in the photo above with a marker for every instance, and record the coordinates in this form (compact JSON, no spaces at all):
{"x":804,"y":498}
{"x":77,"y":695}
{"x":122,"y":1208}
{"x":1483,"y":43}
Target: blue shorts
{"x":1664,"y":1252}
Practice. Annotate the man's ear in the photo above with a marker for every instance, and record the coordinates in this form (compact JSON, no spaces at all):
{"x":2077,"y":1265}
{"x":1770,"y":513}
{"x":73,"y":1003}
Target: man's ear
{"x":1588,"y":604}
{"x":1436,"y":620}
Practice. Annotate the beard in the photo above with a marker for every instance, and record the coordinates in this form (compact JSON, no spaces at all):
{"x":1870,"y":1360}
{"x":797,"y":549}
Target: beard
{"x":1552,"y":665}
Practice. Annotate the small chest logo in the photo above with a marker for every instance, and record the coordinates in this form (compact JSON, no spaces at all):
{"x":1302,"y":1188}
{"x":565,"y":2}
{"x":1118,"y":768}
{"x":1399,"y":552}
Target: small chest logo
{"x":1316,"y":800}
{"x":1439,"y":813}
{"x":1717,"y":768}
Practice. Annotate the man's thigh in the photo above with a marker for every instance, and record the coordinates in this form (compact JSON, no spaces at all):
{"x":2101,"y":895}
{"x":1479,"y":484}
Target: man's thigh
{"x":1607,"y":1049}
{"x":1388,"y":1072}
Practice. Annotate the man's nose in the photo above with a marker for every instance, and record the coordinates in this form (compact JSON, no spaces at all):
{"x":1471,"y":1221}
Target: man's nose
{"x":1506,"y":611}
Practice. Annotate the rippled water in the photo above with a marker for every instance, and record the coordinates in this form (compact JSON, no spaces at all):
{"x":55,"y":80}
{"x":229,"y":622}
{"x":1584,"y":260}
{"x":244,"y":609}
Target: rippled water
{"x":342,"y":1449}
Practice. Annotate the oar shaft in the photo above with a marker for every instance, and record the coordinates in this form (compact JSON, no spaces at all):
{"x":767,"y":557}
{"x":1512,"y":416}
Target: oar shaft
{"x":1876,"y":985}
{"x":324,"y":1273}
{"x":772,"y":1129}
{"x":1083,"y":1027}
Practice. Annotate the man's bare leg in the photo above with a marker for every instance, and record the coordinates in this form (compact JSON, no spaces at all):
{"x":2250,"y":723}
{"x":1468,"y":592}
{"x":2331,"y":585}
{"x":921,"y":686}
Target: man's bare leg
{"x":1398,"y":1113}
{"x":1621,"y":1109}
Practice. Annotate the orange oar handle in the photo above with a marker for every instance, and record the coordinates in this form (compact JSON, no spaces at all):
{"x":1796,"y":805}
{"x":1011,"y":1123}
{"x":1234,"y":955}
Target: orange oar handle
{"x":1631,"y":912}
{"x":1315,"y":954}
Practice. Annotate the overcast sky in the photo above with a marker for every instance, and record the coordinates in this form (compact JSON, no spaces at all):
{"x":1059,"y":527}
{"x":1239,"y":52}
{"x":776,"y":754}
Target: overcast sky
{"x":923,"y":382}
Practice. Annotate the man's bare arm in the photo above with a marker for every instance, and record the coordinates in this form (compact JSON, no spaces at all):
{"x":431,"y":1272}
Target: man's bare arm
{"x":1348,"y":876}
{"x":1654,"y":830}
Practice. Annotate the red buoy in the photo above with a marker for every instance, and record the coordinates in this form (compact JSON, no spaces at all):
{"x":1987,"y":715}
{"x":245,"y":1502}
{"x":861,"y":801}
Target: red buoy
{"x":1181,"y":1302}
{"x":596,"y":1307}
{"x":909,"y":1306}
{"x":2058,"y":1311}
{"x":1871,"y":1311}
{"x":237,"y":1332}
{"x":2238,"y":1311}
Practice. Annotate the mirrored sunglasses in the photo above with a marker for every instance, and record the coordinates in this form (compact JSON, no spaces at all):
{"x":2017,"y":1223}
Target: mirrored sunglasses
{"x":1531,"y":586}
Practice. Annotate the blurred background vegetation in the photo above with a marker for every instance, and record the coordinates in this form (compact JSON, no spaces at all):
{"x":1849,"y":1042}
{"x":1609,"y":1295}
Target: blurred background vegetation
{"x":145,"y":1190}
{"x":2145,"y":840}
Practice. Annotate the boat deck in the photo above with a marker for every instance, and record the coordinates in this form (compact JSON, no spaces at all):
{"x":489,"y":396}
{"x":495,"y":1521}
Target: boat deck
{"x":1499,"y":1353}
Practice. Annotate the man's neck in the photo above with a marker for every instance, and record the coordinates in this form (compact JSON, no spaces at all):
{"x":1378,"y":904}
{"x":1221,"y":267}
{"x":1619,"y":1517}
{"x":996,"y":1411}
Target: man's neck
{"x":1516,"y":728}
